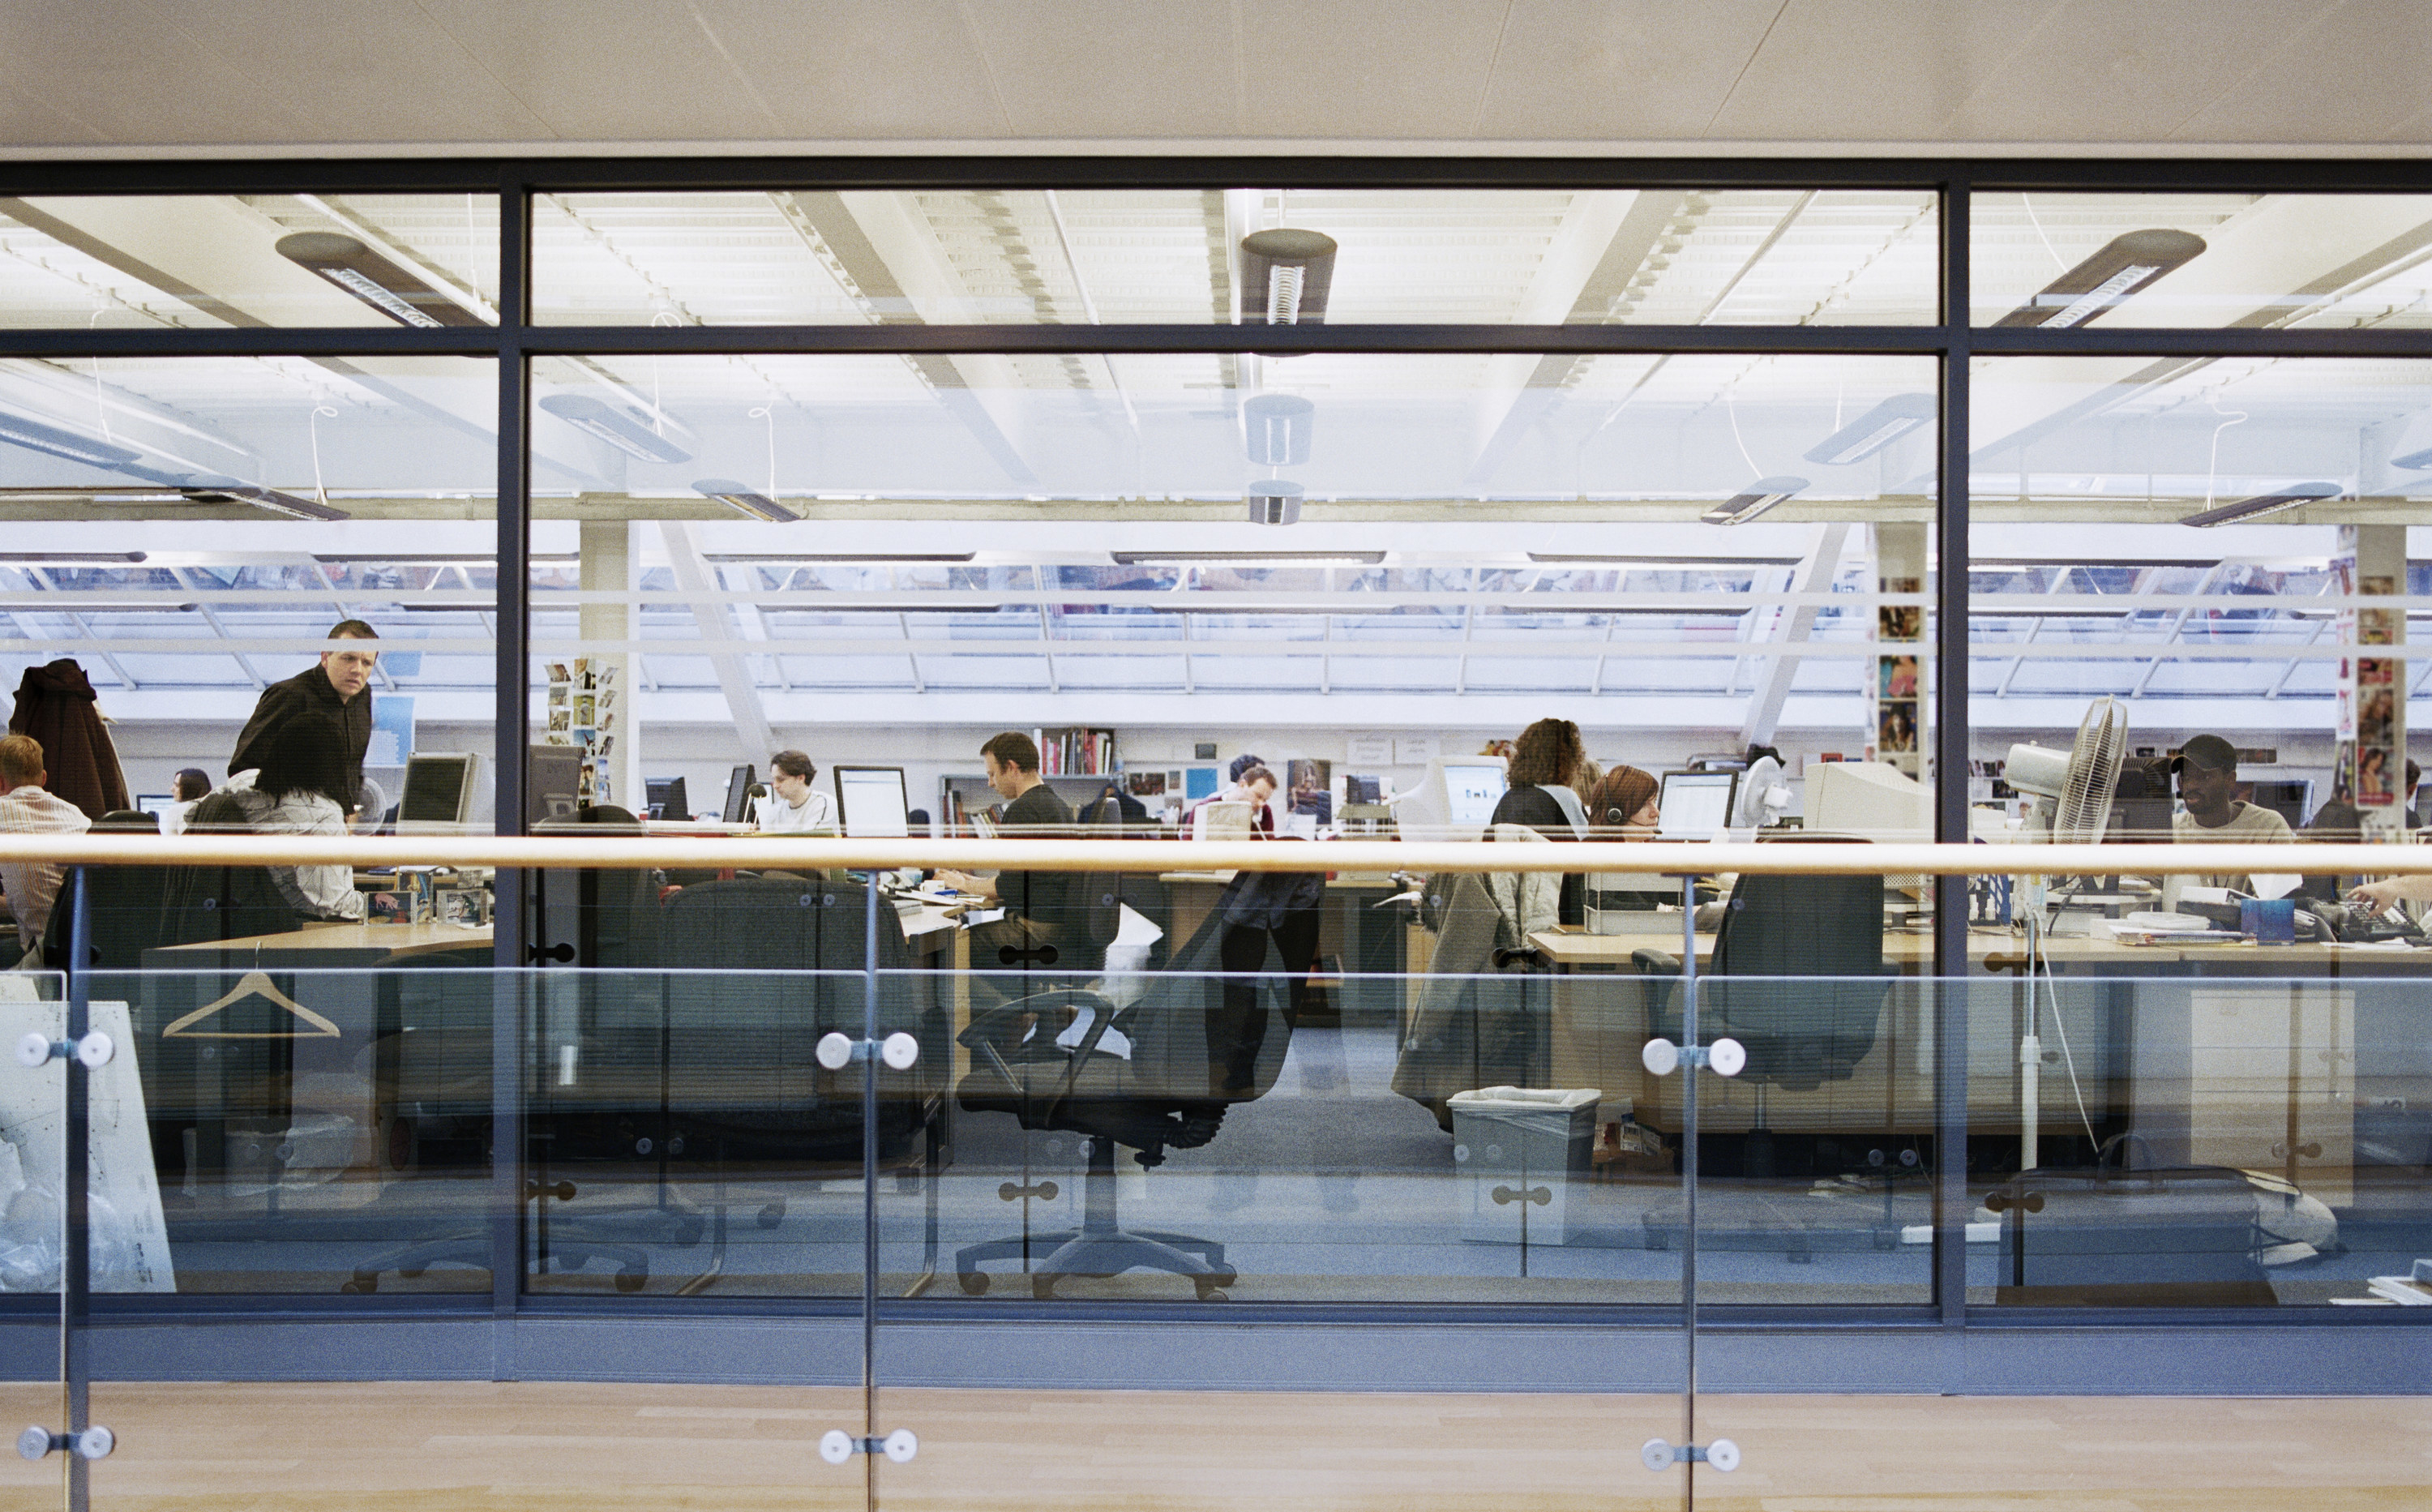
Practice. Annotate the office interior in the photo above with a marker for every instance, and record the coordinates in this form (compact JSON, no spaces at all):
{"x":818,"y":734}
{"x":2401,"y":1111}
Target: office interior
{"x":1365,"y":568}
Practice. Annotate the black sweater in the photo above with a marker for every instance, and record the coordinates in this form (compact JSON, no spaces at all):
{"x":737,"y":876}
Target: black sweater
{"x":282,"y":701}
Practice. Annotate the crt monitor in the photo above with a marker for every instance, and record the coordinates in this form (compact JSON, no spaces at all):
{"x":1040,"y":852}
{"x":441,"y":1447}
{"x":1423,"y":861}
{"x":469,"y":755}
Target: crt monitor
{"x":441,"y":790}
{"x":738,"y":792}
{"x":553,"y":783}
{"x":869,"y":803}
{"x":1869,"y":799}
{"x":1696,"y":804}
{"x":667,"y":798}
{"x":1453,"y":801}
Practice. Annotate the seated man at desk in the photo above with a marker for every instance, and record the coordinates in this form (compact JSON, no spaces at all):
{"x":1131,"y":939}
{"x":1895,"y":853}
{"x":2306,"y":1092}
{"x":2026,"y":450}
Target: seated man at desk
{"x":2207,"y":768}
{"x":27,"y":808}
{"x":793,"y":807}
{"x":1034,"y":913}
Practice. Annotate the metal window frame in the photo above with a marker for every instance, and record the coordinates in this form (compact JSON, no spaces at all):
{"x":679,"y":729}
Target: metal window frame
{"x":516,"y":341}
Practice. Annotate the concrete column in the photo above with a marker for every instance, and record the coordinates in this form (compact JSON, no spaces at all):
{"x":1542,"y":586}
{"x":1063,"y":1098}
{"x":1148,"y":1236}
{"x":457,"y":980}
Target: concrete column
{"x":607,"y":561}
{"x":2372,"y":564}
{"x":1896,"y":690}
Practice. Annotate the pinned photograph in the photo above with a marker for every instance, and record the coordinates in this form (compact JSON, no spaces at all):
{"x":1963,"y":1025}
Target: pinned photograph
{"x":1899,"y":621}
{"x":559,"y":721}
{"x":1895,"y":677}
{"x":1896,"y":730}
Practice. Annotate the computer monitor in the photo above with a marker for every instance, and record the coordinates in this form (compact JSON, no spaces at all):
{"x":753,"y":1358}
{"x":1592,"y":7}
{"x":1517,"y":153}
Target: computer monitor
{"x":739,"y":795}
{"x":157,"y":804}
{"x":1696,"y":804}
{"x":666,"y":797}
{"x":1870,"y":799}
{"x":552,"y":784}
{"x":2289,"y":797}
{"x":870,"y":803}
{"x":442,"y":790}
{"x":1453,"y":801}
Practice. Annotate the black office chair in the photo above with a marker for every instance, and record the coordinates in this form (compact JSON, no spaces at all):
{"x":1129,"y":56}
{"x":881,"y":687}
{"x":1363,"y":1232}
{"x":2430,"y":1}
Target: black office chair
{"x":1797,"y":980}
{"x":1153,"y":1098}
{"x":123,"y":906}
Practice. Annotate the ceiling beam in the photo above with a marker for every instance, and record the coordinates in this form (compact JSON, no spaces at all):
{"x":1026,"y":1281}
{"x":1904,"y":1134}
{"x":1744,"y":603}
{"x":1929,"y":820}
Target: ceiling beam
{"x":1815,"y":574}
{"x":718,"y":640}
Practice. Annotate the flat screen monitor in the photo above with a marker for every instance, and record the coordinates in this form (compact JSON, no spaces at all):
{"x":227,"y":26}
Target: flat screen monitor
{"x":552,"y":784}
{"x":870,"y":803}
{"x":1696,"y":804}
{"x":667,"y":798}
{"x":440,"y":790}
{"x":157,"y":804}
{"x":2289,"y":797}
{"x":738,"y":793}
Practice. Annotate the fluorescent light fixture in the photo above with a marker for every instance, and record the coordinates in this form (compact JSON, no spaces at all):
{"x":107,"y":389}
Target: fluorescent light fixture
{"x":269,"y":499}
{"x":373,"y":279}
{"x":1617,"y":559}
{"x":1286,"y":276}
{"x":1275,"y":429}
{"x":747,"y":557}
{"x":1248,"y":558}
{"x":1875,"y":429}
{"x":592,"y":418}
{"x":2262,"y":505}
{"x":46,"y":603}
{"x":1760,"y":496}
{"x":1275,"y":502}
{"x":36,"y":436}
{"x":744,"y":498}
{"x":2125,"y":264}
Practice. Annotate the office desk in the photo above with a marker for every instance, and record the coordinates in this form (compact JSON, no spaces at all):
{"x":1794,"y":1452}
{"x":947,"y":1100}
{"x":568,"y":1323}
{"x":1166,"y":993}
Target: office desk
{"x":1365,"y":940}
{"x":320,"y":945}
{"x":2222,"y":1055}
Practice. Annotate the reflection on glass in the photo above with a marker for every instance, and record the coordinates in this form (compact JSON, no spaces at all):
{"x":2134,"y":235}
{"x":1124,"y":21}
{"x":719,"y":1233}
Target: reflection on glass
{"x":1259,"y":256}
{"x":120,"y":261}
{"x":2336,"y":261}
{"x":2201,"y":540}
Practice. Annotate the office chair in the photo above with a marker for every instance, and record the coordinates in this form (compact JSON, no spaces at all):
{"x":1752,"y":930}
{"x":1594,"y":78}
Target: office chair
{"x":123,"y":906}
{"x":1807,"y":953}
{"x":433,"y":1072}
{"x":1070,"y":1060}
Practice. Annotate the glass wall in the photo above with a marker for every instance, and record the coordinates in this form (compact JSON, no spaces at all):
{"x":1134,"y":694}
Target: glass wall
{"x":769,"y":555}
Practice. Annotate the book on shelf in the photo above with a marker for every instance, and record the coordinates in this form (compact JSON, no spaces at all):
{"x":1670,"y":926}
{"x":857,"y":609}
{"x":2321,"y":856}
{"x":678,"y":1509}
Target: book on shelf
{"x":1076,"y":753}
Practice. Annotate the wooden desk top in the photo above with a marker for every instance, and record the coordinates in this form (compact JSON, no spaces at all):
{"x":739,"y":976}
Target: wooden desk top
{"x":367,"y":941}
{"x":1567,"y":948}
{"x":1347,"y":880}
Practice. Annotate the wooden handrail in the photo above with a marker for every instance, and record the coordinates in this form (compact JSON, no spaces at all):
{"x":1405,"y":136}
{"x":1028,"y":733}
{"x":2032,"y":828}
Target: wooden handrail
{"x":795,"y":853}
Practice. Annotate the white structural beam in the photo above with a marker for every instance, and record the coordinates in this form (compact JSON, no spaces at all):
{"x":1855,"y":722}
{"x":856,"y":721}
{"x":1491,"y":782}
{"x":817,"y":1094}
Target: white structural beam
{"x":1814,"y":575}
{"x":719,"y":641}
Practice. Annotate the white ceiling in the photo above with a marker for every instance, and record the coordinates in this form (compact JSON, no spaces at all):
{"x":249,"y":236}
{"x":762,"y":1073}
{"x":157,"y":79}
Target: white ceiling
{"x":112,"y":78}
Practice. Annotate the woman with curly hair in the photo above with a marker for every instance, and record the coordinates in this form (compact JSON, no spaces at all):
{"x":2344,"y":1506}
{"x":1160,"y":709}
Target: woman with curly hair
{"x":1543,"y":775}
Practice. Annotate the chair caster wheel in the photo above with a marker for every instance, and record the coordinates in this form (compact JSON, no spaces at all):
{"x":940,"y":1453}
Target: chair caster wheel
{"x":1212,"y":1288}
{"x":975,"y":1282}
{"x":361,"y":1286}
{"x":631,"y":1280}
{"x":1042,"y":1288}
{"x":771,"y":1216}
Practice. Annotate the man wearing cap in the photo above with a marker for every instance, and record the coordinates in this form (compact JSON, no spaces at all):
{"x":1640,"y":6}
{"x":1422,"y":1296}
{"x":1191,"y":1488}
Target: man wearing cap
{"x":2207,"y":768}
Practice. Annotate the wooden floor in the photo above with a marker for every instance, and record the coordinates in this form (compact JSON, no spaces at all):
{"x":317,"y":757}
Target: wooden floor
{"x":477,"y":1445}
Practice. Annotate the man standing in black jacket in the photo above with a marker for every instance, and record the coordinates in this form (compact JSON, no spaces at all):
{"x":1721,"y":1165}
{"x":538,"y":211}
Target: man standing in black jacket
{"x":336,"y":685}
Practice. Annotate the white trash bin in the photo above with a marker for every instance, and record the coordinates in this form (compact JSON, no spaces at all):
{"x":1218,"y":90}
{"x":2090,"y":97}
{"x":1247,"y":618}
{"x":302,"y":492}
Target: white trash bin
{"x":1516,"y":1150}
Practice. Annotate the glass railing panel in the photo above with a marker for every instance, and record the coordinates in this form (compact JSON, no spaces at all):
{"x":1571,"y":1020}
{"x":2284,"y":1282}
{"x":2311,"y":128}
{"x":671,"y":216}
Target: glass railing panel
{"x":33,"y":1180}
{"x":309,"y":1130}
{"x":2208,"y":1132}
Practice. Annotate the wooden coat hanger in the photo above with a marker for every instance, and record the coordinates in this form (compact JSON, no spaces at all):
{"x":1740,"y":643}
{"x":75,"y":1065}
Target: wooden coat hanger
{"x":252,"y":984}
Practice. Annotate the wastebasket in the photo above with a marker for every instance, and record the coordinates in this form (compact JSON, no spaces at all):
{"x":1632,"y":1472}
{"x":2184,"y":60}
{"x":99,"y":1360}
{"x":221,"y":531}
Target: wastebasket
{"x":1516,"y":1152}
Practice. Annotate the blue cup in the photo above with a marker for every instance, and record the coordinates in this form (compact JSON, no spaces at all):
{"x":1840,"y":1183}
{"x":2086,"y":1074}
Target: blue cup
{"x":2270,"y":921}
